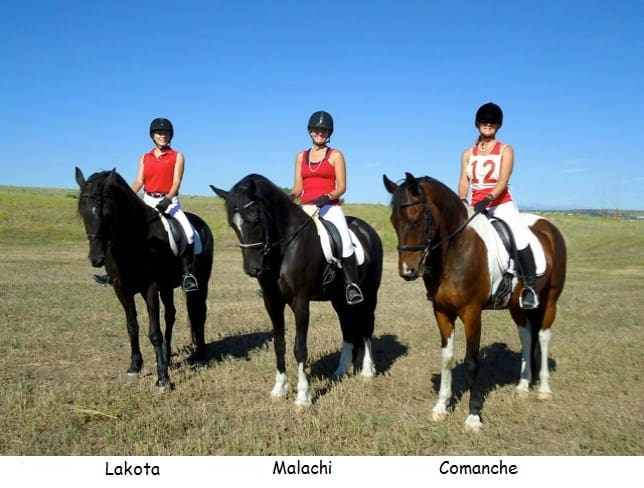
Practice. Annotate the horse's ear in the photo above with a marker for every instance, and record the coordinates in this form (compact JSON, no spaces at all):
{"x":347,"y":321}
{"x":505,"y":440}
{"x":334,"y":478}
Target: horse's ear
{"x":111,"y":177}
{"x":222,"y":193}
{"x":389,"y":185}
{"x":80,"y":179}
{"x":412,"y":183}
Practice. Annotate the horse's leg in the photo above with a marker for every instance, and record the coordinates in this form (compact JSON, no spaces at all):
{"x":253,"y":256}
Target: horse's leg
{"x":136,"y":358}
{"x":472,"y":322}
{"x":169,"y":313}
{"x":545,"y":333}
{"x":156,"y":338}
{"x":346,"y":356}
{"x":368,"y":365}
{"x":196,"y":304}
{"x":274,"y":304}
{"x":525,"y":335}
{"x":301,"y":311}
{"x":446,"y":328}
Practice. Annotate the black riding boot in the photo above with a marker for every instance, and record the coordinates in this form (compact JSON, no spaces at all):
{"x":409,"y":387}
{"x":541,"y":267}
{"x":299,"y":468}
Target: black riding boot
{"x":529,"y":298}
{"x":352,"y":290}
{"x":189,"y":281}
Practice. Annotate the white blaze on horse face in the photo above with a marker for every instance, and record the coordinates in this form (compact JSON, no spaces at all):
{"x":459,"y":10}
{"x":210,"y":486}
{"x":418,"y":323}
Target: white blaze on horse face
{"x":238,"y":221}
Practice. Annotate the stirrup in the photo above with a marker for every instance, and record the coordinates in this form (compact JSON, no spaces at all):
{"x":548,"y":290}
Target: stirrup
{"x":354,"y":294}
{"x":528,"y":300}
{"x":189,"y":283}
{"x":102,"y":280}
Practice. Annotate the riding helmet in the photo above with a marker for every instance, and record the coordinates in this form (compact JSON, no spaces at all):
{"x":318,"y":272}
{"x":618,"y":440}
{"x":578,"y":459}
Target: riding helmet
{"x":161,"y":124}
{"x":489,"y":112}
{"x":321,"y":119}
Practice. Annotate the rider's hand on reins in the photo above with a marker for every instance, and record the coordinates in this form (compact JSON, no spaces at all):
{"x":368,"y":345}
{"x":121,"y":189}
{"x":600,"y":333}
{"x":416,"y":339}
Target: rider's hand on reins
{"x":163,"y":204}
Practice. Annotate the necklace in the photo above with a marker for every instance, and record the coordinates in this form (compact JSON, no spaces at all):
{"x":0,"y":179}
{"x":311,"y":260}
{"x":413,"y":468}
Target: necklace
{"x":487,"y":147}
{"x":316,"y":163}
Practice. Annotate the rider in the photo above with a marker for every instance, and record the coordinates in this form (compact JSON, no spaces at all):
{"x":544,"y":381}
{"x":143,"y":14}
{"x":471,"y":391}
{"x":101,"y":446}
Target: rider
{"x":160,"y":174}
{"x":487,"y":168}
{"x":320,"y":180}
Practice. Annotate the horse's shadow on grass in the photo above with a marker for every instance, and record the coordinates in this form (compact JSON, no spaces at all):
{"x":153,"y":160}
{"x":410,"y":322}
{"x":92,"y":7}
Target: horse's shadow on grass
{"x":386,"y":350}
{"x":499,"y":367}
{"x":237,"y":346}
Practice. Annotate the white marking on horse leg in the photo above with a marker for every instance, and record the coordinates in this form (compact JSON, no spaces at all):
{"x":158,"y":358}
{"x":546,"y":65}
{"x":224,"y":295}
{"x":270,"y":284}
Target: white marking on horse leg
{"x":545,"y":393}
{"x":303,"y":388}
{"x":526,"y":362}
{"x":439,"y":412}
{"x":368,"y":365}
{"x":473,"y":423}
{"x":281,"y":385}
{"x":345,"y":359}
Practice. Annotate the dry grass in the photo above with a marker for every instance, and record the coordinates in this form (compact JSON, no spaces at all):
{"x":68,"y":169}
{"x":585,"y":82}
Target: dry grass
{"x":64,"y":353}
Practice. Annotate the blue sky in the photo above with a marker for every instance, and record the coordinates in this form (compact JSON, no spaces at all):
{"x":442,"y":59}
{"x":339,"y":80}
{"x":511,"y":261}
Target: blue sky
{"x":81,"y":82}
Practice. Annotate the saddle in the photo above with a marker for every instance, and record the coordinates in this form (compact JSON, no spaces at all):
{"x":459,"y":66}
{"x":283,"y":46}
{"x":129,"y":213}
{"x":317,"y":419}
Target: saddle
{"x":177,"y":237}
{"x":331,"y":244}
{"x":503,"y":256}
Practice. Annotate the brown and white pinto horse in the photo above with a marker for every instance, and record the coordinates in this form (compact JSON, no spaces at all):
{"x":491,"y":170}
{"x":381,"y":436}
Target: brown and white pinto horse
{"x":441,"y":239}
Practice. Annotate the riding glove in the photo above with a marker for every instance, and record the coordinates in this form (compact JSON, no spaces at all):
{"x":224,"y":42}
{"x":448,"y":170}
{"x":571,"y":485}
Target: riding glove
{"x":321,"y":201}
{"x":163,"y":204}
{"x":482,"y":205}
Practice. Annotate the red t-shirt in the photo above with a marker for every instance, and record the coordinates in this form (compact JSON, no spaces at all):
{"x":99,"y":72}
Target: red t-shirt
{"x":158,"y":173}
{"x":317,"y":178}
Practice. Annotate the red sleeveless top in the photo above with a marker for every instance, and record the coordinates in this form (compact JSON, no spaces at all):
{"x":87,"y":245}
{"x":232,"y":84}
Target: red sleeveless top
{"x":317,"y":178}
{"x":158,"y":173}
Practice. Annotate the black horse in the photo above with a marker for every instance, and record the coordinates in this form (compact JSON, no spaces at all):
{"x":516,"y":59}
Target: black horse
{"x":128,"y":238}
{"x":281,"y":248}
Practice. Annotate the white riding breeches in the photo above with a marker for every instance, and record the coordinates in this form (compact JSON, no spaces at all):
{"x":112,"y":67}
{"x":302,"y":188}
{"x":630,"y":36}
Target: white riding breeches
{"x":509,"y":212}
{"x":335,"y":215}
{"x":175,"y":211}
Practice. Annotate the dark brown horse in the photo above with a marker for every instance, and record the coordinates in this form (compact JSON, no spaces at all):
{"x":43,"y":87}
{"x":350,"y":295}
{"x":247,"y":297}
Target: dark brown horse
{"x":281,"y":248}
{"x":128,"y":238}
{"x":441,"y":240}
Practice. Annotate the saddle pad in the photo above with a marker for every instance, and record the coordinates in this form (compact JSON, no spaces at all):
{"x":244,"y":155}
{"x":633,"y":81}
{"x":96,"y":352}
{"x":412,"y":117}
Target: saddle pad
{"x":325,"y":239}
{"x":173,"y":243}
{"x":498,"y":259}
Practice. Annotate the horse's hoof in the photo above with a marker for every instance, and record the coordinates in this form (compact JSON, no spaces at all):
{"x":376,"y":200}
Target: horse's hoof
{"x":302,"y":407}
{"x":523,"y":394}
{"x":473,"y":423}
{"x":131,"y":377}
{"x":544,"y":395}
{"x":439,"y":416}
{"x":161,"y":389}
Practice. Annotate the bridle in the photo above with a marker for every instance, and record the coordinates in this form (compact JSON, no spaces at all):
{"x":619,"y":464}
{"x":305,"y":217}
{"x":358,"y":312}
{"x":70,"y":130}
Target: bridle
{"x":100,"y":236}
{"x":426,"y":244}
{"x":427,"y":247}
{"x":265,"y":244}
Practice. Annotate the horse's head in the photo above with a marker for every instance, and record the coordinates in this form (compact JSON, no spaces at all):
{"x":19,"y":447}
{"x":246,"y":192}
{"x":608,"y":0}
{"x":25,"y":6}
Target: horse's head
{"x":96,"y":208}
{"x":411,"y":217}
{"x":251,"y":204}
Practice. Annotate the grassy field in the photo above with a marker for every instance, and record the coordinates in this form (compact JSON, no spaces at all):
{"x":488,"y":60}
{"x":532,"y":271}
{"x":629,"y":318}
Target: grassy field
{"x":64,"y":353}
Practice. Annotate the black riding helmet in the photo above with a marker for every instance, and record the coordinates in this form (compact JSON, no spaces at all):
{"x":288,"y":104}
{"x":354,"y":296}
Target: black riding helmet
{"x":490,"y":112}
{"x":161,"y":124}
{"x":321,"y":119}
